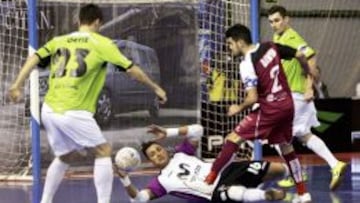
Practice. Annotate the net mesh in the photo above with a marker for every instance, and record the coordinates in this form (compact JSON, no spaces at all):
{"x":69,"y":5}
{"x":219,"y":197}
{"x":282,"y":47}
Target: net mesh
{"x":181,"y":23}
{"x":220,"y":79}
{"x":14,"y":121}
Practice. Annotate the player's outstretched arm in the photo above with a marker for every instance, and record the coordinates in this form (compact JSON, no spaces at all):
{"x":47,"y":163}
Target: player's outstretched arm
{"x":136,"y":72}
{"x":14,"y":93}
{"x":191,"y":132}
{"x":139,"y":196}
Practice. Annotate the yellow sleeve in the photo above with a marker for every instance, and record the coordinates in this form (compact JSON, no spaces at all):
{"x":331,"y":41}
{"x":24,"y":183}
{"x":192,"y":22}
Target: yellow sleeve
{"x":295,"y":41}
{"x":47,"y":50}
{"x":110,"y":53}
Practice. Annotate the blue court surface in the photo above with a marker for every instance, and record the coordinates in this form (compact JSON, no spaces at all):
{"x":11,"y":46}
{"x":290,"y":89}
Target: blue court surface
{"x":83,"y":190}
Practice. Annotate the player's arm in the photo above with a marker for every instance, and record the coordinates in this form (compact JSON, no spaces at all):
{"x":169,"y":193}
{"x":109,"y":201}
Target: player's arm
{"x":137,"y":73}
{"x":143,"y":195}
{"x":287,"y":52}
{"x":250,"y":99}
{"x":112,"y":54}
{"x":310,"y":56}
{"x":28,"y":66}
{"x":30,"y":63}
{"x":192,"y":133}
{"x":310,"y":78}
{"x":250,"y":80}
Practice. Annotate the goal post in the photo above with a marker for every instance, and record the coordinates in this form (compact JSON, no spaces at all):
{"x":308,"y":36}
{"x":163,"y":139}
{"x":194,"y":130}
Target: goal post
{"x":34,"y":104}
{"x":255,"y":35}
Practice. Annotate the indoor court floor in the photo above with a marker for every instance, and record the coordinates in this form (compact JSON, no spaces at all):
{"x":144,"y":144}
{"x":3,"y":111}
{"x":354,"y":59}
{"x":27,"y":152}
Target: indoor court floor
{"x":82,"y":190}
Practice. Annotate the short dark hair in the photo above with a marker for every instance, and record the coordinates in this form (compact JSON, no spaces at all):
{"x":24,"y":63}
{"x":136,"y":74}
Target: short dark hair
{"x":89,"y":13}
{"x":239,"y":31}
{"x":282,"y":10}
{"x":145,"y":146}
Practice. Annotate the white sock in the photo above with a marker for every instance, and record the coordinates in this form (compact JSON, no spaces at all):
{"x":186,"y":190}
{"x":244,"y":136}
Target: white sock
{"x":253,"y":194}
{"x":103,"y":179}
{"x":318,"y":146}
{"x":54,"y":176}
{"x":240,"y":193}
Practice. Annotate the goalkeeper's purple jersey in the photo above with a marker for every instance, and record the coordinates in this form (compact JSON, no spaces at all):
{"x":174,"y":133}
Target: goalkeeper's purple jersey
{"x":184,"y":169}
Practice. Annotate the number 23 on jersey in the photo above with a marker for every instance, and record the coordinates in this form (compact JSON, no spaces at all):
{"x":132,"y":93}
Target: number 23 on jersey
{"x":63,"y":59}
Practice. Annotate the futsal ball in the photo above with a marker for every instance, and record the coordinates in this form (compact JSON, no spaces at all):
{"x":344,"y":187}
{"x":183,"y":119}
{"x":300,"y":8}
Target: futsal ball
{"x":127,"y":158}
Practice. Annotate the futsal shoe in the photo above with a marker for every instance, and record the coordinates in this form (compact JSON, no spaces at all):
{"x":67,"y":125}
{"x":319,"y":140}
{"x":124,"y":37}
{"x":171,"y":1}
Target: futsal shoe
{"x":337,"y":175}
{"x":289,"y":181}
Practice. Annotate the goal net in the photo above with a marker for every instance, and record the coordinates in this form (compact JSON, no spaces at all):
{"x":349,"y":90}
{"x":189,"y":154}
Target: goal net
{"x":165,"y":35}
{"x":220,"y":79}
{"x":14,"y":118}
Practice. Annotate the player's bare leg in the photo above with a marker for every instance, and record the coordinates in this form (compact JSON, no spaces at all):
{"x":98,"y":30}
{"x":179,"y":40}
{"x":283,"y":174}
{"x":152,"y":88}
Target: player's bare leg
{"x":318,"y":146}
{"x":294,"y":166}
{"x":103,"y":172}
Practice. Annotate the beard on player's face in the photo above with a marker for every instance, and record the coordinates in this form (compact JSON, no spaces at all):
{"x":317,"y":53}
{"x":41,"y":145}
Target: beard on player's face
{"x":234,"y":47}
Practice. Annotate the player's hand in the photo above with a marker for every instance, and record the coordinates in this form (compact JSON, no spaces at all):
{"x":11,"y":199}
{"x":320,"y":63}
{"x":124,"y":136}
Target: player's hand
{"x":161,"y":95}
{"x":234,"y":109}
{"x":309,"y":95}
{"x":158,"y":131}
{"x":14,"y":93}
{"x":120,"y":172}
{"x":211,"y":177}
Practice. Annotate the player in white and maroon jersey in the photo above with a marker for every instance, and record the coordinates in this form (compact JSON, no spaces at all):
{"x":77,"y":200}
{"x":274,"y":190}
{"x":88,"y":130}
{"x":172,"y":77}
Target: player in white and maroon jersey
{"x":265,"y":83}
{"x":183,"y":174}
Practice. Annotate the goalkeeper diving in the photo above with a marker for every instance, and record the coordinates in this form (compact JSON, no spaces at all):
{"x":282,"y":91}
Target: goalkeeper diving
{"x":182,"y":174}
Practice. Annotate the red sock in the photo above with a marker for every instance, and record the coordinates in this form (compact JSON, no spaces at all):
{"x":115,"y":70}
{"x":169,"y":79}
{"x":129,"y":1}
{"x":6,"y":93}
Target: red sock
{"x":295,"y":170}
{"x":228,"y":149}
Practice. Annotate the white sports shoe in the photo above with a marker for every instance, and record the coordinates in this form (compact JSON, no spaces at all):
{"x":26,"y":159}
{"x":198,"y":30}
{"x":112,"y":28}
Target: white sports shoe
{"x":304,"y":198}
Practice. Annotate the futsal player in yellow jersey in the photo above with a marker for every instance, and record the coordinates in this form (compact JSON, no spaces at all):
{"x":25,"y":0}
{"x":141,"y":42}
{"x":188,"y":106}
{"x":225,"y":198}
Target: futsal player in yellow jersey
{"x":77,"y":75}
{"x":302,"y":92}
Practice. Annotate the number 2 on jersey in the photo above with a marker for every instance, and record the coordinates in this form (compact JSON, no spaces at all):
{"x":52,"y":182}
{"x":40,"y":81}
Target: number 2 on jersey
{"x":274,"y":74}
{"x":61,"y":59}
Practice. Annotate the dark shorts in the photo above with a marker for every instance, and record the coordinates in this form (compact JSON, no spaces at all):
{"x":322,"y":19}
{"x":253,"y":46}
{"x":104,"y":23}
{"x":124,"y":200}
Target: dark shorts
{"x":246,"y":173}
{"x":275,"y":127}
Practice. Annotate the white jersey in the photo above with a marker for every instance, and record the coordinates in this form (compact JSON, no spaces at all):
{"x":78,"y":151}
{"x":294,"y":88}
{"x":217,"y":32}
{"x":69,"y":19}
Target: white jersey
{"x":183,"y":174}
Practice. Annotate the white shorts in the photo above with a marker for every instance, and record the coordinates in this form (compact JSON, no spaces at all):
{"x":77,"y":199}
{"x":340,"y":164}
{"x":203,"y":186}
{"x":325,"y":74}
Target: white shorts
{"x":305,"y":115}
{"x":73,"y":130}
